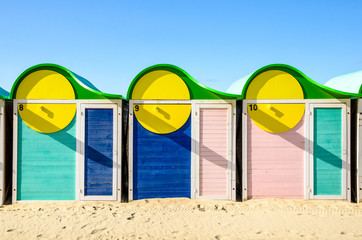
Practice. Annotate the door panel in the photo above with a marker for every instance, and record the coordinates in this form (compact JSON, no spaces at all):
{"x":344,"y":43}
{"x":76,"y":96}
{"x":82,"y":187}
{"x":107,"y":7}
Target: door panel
{"x":46,"y":162}
{"x":275,"y":160}
{"x":328,"y":154}
{"x":98,"y":164}
{"x":161,"y":161}
{"x":213,"y":151}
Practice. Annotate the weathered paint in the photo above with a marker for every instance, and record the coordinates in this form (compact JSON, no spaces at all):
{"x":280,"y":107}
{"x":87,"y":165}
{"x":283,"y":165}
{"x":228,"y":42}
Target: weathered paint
{"x":327,"y":151}
{"x":161,"y":162}
{"x":46,"y":167}
{"x":213,"y":164}
{"x":275,"y":165}
{"x":98,"y":170}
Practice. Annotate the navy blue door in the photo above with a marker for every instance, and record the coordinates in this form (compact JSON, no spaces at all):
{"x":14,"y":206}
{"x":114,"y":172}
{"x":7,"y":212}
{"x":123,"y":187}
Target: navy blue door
{"x":161,"y":162}
{"x":98,"y":162}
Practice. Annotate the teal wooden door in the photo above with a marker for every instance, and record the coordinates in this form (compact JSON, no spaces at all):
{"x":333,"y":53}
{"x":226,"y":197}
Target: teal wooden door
{"x":329,"y":148}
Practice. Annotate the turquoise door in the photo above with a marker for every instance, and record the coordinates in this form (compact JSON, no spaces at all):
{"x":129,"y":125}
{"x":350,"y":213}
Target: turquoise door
{"x":329,"y":148}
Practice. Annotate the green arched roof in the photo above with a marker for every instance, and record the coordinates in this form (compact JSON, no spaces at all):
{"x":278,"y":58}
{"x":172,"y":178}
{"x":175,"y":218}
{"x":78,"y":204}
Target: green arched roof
{"x":311,"y":89}
{"x":83,"y":88}
{"x":197,"y":90}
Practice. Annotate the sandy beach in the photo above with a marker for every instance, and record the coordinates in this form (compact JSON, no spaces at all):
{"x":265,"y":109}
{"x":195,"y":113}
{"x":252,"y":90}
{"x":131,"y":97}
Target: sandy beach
{"x":182,"y":219}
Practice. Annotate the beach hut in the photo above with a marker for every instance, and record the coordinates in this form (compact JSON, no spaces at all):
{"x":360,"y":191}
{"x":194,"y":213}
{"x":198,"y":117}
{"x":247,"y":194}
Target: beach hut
{"x":296,"y":137}
{"x":67,"y":137}
{"x":4,"y":144}
{"x":181,"y":135}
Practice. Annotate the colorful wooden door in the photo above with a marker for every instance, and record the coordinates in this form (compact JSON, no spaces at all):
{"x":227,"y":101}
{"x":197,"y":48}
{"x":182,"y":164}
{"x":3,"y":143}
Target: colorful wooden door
{"x":99,"y":151}
{"x":274,"y":152}
{"x":328,"y":167}
{"x":161,"y":151}
{"x":214,"y":162}
{"x":45,"y":152}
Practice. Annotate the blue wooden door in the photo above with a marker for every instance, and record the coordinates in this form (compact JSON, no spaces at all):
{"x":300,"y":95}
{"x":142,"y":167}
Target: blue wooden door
{"x":99,"y":150}
{"x":328,"y":154}
{"x":161,"y":162}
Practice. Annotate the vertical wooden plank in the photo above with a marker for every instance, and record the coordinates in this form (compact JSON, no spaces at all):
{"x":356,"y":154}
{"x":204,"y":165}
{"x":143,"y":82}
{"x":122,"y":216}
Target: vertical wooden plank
{"x":213,"y":151}
{"x":98,"y":163}
{"x":327,"y":151}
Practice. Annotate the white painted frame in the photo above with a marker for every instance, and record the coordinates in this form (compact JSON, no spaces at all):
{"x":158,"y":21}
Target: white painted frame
{"x":345,"y":153}
{"x":81,"y":117}
{"x":2,"y":150}
{"x":193,"y":145}
{"x":359,"y":151}
{"x":231,"y":126}
{"x":118,"y":102}
{"x":308,"y":141}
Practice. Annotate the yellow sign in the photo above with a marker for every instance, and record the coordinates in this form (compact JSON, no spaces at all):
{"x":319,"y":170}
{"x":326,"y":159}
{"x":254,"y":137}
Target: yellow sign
{"x":161,"y":118}
{"x":275,"y":118}
{"x":46,"y":118}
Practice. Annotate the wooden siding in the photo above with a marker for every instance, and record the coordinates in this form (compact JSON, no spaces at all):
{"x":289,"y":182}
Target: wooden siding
{"x":98,"y":159}
{"x":213,"y":150}
{"x":275,"y":162}
{"x":161,"y":162}
{"x":327,"y":151}
{"x":46,"y":163}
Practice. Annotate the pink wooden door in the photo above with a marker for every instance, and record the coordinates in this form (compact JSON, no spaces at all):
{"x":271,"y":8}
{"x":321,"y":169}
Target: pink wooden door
{"x":213,"y":152}
{"x":275,"y":162}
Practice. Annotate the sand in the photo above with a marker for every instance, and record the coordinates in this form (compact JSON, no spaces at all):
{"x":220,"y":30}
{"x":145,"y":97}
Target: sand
{"x":182,"y":219}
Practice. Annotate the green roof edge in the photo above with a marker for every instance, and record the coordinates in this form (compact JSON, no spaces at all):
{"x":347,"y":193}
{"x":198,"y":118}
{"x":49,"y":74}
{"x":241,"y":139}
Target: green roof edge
{"x":80,"y":89}
{"x":316,"y":91}
{"x":197,"y":90}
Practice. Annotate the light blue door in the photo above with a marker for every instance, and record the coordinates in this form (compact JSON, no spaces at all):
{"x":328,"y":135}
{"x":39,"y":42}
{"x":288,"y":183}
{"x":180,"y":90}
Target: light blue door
{"x":328,"y":156}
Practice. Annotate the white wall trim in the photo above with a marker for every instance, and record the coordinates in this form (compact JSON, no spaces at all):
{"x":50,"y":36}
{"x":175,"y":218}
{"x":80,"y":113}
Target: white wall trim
{"x":15,"y":151}
{"x":2,"y":150}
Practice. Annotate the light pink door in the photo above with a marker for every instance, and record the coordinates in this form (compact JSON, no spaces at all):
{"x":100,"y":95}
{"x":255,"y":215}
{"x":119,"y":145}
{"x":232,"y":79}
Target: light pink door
{"x":213,"y":152}
{"x":275,"y":162}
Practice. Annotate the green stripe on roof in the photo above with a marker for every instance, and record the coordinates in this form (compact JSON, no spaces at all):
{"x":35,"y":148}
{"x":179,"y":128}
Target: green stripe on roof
{"x":83,"y":88}
{"x":197,"y":90}
{"x":311,"y":89}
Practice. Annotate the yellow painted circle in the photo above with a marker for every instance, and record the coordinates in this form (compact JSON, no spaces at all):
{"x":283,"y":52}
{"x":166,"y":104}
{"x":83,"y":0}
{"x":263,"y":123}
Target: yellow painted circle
{"x":275,"y":118}
{"x":47,"y":117}
{"x":160,"y":84}
{"x":161,"y":118}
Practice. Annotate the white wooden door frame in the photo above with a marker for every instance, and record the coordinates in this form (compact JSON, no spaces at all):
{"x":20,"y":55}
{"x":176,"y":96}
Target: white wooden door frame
{"x":81,"y":150}
{"x":2,"y":150}
{"x":345,"y":151}
{"x":231,"y":181}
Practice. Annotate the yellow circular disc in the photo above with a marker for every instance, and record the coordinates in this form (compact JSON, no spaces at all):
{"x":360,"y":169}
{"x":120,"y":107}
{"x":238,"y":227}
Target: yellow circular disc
{"x":275,"y":118}
{"x":47,"y":117}
{"x":160,"y":84}
{"x":161,"y":118}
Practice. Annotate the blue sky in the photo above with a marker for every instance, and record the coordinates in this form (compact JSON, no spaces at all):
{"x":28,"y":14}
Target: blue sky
{"x":216,"y":42}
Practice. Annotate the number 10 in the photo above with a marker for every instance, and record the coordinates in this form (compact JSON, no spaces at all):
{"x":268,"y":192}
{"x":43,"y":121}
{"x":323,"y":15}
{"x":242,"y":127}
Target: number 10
{"x":253,"y":107}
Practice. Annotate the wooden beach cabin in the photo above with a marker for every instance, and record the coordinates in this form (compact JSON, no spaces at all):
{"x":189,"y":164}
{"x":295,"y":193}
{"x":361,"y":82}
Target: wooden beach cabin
{"x":181,"y":137}
{"x":67,"y":137}
{"x":295,"y":137}
{"x":5,"y":143}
